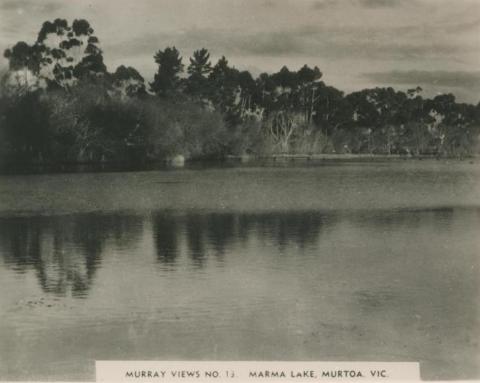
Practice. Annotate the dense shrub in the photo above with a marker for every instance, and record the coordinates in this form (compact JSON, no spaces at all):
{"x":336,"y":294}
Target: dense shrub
{"x":87,"y":124}
{"x":182,"y":128}
{"x":25,"y":128}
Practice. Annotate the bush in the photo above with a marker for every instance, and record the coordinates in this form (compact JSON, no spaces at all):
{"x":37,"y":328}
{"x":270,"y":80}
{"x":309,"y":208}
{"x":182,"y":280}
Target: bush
{"x":25,"y":128}
{"x":183,"y":129}
{"x":247,"y":138}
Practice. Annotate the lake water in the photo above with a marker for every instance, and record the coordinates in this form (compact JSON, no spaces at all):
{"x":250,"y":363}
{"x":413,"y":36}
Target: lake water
{"x":338,"y":261}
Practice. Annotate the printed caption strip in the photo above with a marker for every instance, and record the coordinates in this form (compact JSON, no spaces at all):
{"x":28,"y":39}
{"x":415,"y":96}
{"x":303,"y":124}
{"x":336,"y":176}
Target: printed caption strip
{"x":204,"y":371}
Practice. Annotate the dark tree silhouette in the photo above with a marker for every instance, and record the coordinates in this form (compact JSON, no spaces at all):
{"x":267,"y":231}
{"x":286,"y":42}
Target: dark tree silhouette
{"x":200,"y":63}
{"x":22,"y":55}
{"x":167,"y":79}
{"x":198,"y":70}
{"x":128,"y":82}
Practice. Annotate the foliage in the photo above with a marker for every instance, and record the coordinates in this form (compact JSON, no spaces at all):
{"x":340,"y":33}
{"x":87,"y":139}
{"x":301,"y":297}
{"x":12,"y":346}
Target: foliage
{"x":59,"y":103}
{"x":182,"y":128}
{"x":167,"y":79}
{"x":197,"y":83}
{"x":61,"y":55}
{"x":127,"y":82}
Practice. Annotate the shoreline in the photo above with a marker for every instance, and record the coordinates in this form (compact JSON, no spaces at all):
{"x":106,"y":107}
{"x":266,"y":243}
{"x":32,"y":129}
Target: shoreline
{"x":343,"y":157}
{"x":106,"y":166}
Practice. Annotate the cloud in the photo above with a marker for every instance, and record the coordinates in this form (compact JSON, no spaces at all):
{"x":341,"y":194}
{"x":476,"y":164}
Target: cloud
{"x":12,"y":5}
{"x":453,"y":79}
{"x":462,"y":27}
{"x":28,"y":5}
{"x":323,"y":4}
{"x":269,"y":3}
{"x":344,"y":37}
{"x":314,"y":41}
{"x":22,"y":19}
{"x":49,"y":7}
{"x":380,"y":3}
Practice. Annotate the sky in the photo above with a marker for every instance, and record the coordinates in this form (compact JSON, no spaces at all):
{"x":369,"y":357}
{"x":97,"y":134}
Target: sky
{"x":355,"y":43}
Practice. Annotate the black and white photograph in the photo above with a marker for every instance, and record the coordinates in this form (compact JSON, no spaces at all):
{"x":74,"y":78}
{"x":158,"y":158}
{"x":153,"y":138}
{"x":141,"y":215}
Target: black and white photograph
{"x":239,"y":180}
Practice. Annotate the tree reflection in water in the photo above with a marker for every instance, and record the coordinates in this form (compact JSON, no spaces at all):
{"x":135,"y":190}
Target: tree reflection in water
{"x":64,"y":251}
{"x":215,"y":233}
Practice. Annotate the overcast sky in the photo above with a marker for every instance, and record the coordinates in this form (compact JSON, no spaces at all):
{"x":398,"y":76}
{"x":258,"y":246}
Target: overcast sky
{"x":355,"y":43}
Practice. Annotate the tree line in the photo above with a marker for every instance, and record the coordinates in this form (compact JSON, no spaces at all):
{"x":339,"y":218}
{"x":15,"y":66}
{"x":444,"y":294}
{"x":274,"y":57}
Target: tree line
{"x":59,"y":103}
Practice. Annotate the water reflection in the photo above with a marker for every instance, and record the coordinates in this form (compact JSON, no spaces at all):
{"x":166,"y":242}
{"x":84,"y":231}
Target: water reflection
{"x":299,"y":228}
{"x":65,"y":252}
{"x":215,"y":233}
{"x":440,"y":217}
{"x":221,"y":231}
{"x":195,"y":232}
{"x":373,"y":285}
{"x":165,"y":235}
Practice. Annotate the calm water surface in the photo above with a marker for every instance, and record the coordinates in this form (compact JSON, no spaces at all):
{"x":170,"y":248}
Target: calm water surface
{"x":342,"y":261}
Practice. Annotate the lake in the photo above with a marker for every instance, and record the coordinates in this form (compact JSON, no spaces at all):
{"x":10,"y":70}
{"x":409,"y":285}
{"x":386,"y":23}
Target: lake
{"x":312,"y":261}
